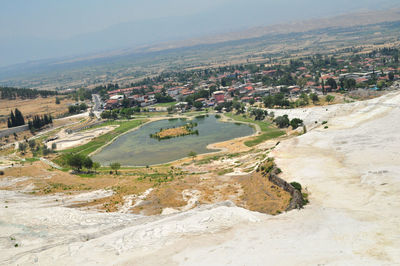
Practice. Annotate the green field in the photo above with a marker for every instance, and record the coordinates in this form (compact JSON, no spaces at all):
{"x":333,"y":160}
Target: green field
{"x":164,"y":104}
{"x":268,"y":131}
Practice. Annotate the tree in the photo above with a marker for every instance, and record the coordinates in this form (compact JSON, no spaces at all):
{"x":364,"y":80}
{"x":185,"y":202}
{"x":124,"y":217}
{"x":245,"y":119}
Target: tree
{"x":198,"y":105}
{"x":296,"y":122}
{"x":45,"y":150}
{"x":218,"y":108}
{"x":236,"y":105}
{"x":268,"y":101}
{"x":83,"y":106}
{"x":57,"y":100}
{"x":252,"y":101}
{"x":302,"y":82}
{"x":115,"y":167}
{"x":350,"y":83}
{"x":32,"y":144}
{"x":192,"y":154}
{"x":76,"y":161}
{"x":12,"y":119}
{"x":88,"y":163}
{"x":314,"y":97}
{"x":96,"y":166}
{"x":22,"y":147}
{"x":332,"y":83}
{"x":282,"y":121}
{"x":259,"y":114}
{"x":19,"y":118}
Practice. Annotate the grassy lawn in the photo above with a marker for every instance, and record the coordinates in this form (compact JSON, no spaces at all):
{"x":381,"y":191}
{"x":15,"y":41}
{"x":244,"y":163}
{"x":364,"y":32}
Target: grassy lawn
{"x":268,"y":132}
{"x":100,"y":141}
{"x":264,"y":126}
{"x":274,"y":133}
{"x":164,"y":104}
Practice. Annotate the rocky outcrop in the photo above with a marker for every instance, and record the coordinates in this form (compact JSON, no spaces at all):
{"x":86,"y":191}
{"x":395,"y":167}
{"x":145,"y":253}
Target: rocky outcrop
{"x":297,"y":201}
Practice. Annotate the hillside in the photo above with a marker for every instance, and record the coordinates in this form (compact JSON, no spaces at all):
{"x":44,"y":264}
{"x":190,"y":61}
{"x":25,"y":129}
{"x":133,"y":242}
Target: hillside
{"x":253,"y":45}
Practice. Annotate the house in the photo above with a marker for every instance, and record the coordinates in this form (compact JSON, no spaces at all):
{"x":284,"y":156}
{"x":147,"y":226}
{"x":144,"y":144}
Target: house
{"x":295,"y":90}
{"x":111,"y":104}
{"x":182,"y":106}
{"x":219,"y":96}
{"x":246,"y":99}
{"x":202,"y":100}
{"x":117,"y":97}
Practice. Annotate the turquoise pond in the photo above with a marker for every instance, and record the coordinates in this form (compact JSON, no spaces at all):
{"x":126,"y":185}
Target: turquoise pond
{"x":136,"y":148}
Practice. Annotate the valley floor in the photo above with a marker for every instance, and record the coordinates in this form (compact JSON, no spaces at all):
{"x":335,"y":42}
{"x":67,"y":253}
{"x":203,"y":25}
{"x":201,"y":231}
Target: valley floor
{"x":351,"y":168}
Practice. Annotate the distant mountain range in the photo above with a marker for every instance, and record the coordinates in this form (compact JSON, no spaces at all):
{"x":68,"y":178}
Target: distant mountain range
{"x":75,"y":71}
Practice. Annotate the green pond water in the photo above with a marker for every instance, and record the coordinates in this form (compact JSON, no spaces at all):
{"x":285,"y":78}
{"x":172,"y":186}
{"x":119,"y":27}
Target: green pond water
{"x":136,"y":148}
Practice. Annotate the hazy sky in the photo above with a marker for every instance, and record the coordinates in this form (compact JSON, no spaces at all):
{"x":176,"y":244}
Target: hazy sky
{"x":66,"y":18}
{"x":39,"y":29}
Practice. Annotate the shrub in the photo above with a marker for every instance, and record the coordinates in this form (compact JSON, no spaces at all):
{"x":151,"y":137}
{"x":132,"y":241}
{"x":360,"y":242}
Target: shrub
{"x":1,"y":172}
{"x":296,"y":122}
{"x":296,"y":185}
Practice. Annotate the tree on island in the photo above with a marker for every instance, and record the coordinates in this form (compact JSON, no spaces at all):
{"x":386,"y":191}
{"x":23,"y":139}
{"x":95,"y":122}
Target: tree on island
{"x":115,"y":167}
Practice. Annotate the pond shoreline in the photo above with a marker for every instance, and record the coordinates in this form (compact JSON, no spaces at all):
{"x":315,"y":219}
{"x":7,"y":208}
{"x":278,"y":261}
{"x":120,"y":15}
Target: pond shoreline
{"x":211,"y":146}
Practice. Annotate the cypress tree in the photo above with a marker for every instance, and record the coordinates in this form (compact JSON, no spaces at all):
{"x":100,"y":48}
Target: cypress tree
{"x":9,"y":124}
{"x":12,"y":118}
{"x":19,"y":118}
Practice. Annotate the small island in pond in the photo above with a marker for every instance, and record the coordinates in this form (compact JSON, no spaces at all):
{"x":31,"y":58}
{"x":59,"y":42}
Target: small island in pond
{"x":174,"y":132}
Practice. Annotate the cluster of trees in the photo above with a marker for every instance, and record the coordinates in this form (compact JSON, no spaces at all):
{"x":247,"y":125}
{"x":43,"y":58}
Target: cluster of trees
{"x":259,"y":114}
{"x":34,"y":147}
{"x":278,"y":99}
{"x":11,"y":93}
{"x":348,"y":84}
{"x":163,"y":98}
{"x":191,"y":99}
{"x":16,"y":119}
{"x":40,"y":121}
{"x":227,"y":105}
{"x":82,"y":94}
{"x":283,"y":122}
{"x":110,"y":114}
{"x":76,"y":109}
{"x":123,"y":112}
{"x":78,"y":162}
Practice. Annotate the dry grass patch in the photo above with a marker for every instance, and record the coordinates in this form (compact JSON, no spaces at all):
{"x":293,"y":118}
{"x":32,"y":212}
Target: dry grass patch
{"x":31,"y":107}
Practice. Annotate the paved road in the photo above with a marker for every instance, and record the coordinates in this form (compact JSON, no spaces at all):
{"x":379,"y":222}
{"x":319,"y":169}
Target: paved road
{"x":97,"y":109}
